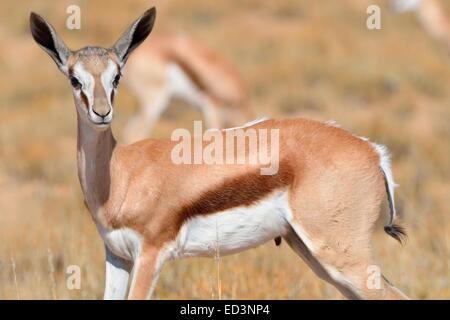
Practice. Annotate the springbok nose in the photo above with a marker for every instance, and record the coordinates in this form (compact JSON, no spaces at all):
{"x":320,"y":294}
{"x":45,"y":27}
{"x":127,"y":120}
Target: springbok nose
{"x":102,"y":115}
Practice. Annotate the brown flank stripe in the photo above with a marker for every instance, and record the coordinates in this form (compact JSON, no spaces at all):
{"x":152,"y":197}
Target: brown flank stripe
{"x":239,"y":191}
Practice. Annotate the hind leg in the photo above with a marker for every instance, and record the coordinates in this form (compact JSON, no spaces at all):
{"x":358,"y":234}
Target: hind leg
{"x":355,"y":280}
{"x":331,"y":229}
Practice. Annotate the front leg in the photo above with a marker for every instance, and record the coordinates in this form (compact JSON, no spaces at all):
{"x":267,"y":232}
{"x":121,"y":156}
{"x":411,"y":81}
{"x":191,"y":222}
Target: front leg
{"x":146,"y":272}
{"x":117,"y":275}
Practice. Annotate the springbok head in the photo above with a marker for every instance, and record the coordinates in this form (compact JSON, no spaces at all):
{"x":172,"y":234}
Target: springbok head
{"x":94,"y":72}
{"x":401,"y":6}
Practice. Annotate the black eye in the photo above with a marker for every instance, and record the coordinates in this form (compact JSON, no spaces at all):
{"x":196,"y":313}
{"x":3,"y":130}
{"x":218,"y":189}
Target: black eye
{"x":116,"y":81}
{"x":75,"y":83}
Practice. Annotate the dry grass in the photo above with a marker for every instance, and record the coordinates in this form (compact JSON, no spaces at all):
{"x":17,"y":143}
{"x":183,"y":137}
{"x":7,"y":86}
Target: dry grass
{"x":301,"y":58}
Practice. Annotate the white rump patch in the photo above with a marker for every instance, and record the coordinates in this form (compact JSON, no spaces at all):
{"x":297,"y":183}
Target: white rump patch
{"x":385,"y":164}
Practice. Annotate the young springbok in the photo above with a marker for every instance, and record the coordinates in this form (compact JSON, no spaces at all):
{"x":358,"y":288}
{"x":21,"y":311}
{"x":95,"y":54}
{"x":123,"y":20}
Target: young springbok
{"x":431,"y":15}
{"x":324,"y":199}
{"x":180,"y":66}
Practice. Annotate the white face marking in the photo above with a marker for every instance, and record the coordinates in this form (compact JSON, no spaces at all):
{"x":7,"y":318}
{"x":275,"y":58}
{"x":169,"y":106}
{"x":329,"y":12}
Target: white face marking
{"x":87,"y":81}
{"x":107,"y":79}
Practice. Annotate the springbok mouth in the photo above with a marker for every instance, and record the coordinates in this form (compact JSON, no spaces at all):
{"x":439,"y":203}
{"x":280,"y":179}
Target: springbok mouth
{"x":101,"y":123}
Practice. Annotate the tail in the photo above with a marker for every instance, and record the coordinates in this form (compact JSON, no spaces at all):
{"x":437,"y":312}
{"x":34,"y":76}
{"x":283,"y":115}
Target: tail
{"x":397,"y":232}
{"x":393,"y":229}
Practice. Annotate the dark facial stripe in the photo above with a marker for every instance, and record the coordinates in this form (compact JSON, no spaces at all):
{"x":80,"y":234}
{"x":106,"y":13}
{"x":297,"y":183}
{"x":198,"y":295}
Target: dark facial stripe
{"x":84,"y":99}
{"x":83,"y":96}
{"x":112,"y":97}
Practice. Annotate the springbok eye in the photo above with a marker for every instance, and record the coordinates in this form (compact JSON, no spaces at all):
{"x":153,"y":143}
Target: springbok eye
{"x":75,"y":83}
{"x":116,"y":81}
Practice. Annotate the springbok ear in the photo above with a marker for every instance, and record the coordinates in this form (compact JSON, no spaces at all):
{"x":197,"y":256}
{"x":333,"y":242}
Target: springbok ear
{"x":135,"y":35}
{"x":47,"y":38}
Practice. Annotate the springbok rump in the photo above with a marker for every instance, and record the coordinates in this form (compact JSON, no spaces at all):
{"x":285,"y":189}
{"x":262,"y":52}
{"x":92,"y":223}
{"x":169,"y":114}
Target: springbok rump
{"x":182,"y":67}
{"x":324,"y":199}
{"x":432,"y":16}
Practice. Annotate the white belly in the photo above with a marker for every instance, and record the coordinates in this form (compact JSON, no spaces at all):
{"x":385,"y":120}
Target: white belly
{"x":234,"y":230}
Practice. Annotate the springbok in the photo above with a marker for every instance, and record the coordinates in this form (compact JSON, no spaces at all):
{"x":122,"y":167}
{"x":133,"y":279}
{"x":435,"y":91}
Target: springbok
{"x":324,"y":199}
{"x":180,"y":66}
{"x":431,"y":15}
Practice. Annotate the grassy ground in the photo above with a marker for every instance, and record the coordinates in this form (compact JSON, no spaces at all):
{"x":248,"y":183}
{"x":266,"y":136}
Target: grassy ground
{"x":300,"y":58}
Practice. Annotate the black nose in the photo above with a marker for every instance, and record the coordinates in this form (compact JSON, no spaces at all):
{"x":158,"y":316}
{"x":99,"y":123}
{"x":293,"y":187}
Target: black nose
{"x":102,"y":115}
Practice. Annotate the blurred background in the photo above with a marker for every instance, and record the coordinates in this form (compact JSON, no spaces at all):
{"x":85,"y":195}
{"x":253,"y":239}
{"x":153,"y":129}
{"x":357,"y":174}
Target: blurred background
{"x":299,"y":58}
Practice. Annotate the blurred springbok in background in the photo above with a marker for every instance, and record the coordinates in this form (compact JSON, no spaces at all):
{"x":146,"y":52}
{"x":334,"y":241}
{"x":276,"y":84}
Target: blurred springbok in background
{"x":182,"y":67}
{"x":324,"y":199}
{"x":431,"y":15}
